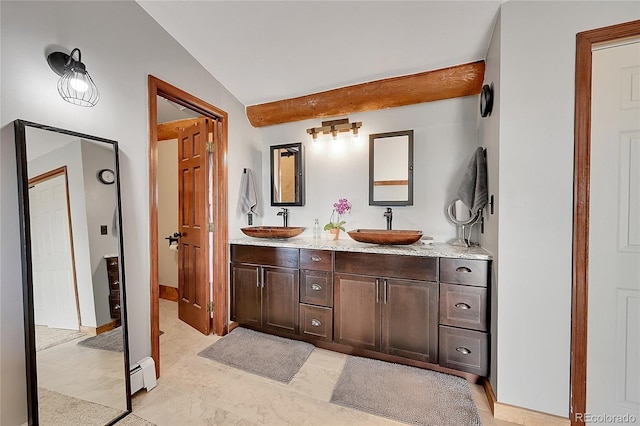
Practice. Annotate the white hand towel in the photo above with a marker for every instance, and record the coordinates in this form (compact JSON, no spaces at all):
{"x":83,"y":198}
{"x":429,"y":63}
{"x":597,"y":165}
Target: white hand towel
{"x":247,"y":200}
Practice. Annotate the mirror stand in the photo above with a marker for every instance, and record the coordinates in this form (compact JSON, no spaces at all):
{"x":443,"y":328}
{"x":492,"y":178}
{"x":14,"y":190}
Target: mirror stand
{"x":460,"y":215}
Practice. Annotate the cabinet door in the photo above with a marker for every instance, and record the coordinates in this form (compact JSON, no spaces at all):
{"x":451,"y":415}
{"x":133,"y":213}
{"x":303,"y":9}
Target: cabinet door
{"x":357,"y":311}
{"x":410,"y":319}
{"x":245,"y":294}
{"x":280,"y":295}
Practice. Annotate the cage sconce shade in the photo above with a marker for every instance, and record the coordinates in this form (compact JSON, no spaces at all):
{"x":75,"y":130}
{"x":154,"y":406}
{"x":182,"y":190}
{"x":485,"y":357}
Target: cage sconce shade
{"x":75,"y":84}
{"x":334,"y":127}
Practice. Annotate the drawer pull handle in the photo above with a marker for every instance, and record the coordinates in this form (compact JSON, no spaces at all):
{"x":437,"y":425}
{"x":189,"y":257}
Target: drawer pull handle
{"x":462,"y":306}
{"x":116,"y":307}
{"x":463,"y":269}
{"x":316,"y":323}
{"x":463,"y":350}
{"x":316,"y":287}
{"x":316,"y":258}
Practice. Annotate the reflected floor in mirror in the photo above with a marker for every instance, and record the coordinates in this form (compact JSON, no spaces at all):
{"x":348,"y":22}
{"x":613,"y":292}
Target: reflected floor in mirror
{"x":77,"y":380}
{"x":194,"y":390}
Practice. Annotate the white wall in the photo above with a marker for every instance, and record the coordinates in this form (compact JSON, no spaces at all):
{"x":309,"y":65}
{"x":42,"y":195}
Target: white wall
{"x":100,"y":210}
{"x":444,"y":140}
{"x":536,"y":109}
{"x":489,"y":137}
{"x":121,"y":45}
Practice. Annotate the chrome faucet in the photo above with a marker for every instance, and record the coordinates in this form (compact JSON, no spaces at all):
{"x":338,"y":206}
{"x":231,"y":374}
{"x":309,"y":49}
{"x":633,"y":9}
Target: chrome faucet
{"x":389,"y":215}
{"x":285,"y":216}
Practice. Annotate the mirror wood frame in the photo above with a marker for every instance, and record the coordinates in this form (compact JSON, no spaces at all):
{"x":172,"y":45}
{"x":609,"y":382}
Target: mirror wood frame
{"x":20,"y":127}
{"x":372,"y":139}
{"x":298,"y":174}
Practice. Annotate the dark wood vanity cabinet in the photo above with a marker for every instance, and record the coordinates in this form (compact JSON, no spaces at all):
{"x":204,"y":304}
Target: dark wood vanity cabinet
{"x":464,"y":315}
{"x":381,"y":308}
{"x":113,"y":275}
{"x":422,"y":309}
{"x":264,"y":288}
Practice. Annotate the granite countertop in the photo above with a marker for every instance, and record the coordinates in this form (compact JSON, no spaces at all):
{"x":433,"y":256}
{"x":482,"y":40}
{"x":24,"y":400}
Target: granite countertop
{"x":347,"y":244}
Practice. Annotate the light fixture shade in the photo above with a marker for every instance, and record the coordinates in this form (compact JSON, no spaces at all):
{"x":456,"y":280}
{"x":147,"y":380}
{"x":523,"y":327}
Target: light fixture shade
{"x":75,"y":84}
{"x":78,"y":88}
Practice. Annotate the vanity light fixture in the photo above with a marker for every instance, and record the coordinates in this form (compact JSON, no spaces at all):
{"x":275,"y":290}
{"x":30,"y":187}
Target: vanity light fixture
{"x":334,"y":127}
{"x":75,"y":84}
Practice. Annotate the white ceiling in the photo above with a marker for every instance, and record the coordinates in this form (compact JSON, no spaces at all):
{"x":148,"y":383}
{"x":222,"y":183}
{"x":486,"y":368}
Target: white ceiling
{"x":263,"y":51}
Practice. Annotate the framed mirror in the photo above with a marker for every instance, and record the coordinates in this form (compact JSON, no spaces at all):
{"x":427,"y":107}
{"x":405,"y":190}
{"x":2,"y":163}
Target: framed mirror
{"x":73,"y":276}
{"x":391,"y":169}
{"x":287,"y":175}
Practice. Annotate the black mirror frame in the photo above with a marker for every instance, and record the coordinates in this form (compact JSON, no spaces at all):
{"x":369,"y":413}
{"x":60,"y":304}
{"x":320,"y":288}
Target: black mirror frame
{"x":27,"y":271}
{"x":372,"y":138}
{"x":299,"y":174}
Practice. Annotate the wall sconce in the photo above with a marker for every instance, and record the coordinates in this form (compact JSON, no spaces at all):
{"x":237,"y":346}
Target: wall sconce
{"x":334,"y":127}
{"x":75,"y":85}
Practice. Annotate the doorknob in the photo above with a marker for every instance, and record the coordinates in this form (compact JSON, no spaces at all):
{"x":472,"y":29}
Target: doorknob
{"x":173,"y":238}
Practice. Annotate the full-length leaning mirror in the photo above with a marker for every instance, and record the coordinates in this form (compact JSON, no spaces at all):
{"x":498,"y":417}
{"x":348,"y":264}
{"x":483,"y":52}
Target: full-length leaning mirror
{"x":287,"y":175}
{"x":391,"y":169}
{"x":73,"y":276}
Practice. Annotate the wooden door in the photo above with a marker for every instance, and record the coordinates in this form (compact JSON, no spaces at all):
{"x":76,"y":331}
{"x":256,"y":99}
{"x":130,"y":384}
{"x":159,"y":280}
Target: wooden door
{"x":280,"y":297}
{"x":246,"y":295}
{"x":193,"y":218}
{"x":410,"y":319}
{"x":357,"y":311}
{"x":613,"y":334}
{"x":54,"y":291}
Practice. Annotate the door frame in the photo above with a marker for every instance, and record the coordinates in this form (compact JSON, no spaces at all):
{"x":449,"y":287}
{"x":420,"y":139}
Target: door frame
{"x":581,"y":180}
{"x":157,"y":87}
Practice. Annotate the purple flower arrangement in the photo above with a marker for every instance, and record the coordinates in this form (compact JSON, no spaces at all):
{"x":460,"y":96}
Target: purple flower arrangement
{"x":340,"y":208}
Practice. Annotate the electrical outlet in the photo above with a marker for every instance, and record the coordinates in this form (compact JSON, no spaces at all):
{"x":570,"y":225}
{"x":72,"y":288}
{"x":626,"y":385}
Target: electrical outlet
{"x":103,"y":230}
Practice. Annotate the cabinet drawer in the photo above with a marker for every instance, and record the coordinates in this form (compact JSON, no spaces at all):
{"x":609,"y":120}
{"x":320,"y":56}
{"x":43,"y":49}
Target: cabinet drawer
{"x":462,"y":271}
{"x":464,"y":350}
{"x":272,"y":256}
{"x":318,"y":260}
{"x":463,"y":306}
{"x":387,"y":265}
{"x":112,"y":264}
{"x":316,"y":288}
{"x":316,"y":322}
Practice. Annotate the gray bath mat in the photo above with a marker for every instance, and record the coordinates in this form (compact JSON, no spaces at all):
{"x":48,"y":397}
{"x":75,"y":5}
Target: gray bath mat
{"x":108,"y":341}
{"x":268,"y":356}
{"x":406,"y":394}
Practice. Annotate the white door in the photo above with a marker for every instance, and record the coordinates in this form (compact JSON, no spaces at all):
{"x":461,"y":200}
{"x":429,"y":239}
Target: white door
{"x":53,"y":286}
{"x":613,"y":336}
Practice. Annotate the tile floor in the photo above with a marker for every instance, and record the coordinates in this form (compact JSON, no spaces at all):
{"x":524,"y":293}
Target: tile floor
{"x":196,"y":391}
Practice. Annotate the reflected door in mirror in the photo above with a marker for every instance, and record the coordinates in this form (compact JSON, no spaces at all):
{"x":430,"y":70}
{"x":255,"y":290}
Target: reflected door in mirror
{"x":287,"y":175}
{"x":391,"y":168}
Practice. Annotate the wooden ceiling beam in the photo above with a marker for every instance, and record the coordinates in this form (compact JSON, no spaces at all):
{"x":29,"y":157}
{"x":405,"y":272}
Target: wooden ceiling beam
{"x":445,"y":83}
{"x":169,"y":129}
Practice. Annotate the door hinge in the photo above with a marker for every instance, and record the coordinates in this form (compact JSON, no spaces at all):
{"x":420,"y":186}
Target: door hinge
{"x":209,"y":146}
{"x":211,"y":307}
{"x":210,"y":226}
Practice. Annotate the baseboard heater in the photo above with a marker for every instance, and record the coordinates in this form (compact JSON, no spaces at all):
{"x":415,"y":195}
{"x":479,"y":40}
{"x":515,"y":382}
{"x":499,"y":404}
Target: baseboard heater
{"x":143,"y":375}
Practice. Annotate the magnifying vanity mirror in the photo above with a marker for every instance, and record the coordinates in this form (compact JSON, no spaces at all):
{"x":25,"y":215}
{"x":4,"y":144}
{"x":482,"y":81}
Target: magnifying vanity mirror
{"x":73,"y":276}
{"x":461,"y":216}
{"x":391,"y":169}
{"x":287,"y":175}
